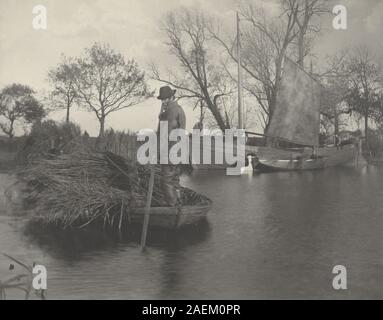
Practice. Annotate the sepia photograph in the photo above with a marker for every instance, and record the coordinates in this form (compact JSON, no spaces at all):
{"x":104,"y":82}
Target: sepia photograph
{"x":191,"y":150}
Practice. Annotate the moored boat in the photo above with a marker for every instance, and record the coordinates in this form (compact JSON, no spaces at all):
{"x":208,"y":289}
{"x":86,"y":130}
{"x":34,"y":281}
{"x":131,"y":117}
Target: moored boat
{"x":296,"y":121}
{"x":268,"y":159}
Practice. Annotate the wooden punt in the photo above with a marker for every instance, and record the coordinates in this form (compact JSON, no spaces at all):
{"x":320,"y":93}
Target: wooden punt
{"x":195,"y":209}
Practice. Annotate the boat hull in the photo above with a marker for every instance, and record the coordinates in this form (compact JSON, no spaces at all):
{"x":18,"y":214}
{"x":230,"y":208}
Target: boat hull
{"x":272,"y":159}
{"x":174,"y":217}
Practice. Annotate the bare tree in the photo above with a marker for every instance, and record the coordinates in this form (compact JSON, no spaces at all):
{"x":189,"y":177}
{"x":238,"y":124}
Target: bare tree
{"x":62,"y":80}
{"x":229,"y":107}
{"x":265,"y":42}
{"x":201,"y":77}
{"x":306,"y":23}
{"x":364,"y":78}
{"x":106,"y":82}
{"x":334,"y":93}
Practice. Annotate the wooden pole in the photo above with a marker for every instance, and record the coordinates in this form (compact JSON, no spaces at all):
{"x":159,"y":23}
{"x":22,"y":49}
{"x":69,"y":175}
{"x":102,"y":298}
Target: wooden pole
{"x":147,"y":209}
{"x":240,"y":101}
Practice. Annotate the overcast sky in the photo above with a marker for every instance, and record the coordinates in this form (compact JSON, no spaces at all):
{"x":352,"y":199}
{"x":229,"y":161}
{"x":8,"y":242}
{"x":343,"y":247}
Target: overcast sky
{"x":131,"y":26}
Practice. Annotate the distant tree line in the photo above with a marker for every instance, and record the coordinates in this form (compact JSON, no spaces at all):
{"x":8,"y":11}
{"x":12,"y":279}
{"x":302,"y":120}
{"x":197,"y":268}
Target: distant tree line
{"x":101,"y":80}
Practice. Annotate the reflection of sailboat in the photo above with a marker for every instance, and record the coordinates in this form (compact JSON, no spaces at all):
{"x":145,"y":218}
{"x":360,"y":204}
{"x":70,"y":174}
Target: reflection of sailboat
{"x":296,"y":121}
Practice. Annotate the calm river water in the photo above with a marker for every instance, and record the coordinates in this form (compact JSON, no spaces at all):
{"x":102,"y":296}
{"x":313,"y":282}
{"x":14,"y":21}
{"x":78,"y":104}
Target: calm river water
{"x":275,"y":235}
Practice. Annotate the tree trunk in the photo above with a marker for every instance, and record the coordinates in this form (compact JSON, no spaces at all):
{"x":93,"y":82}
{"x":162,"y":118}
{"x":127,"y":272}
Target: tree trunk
{"x":366,"y":129}
{"x":336,"y":122}
{"x":301,"y":48}
{"x":336,"y":126}
{"x":218,"y":118}
{"x":272,"y":97}
{"x":10,"y":131}
{"x":67,"y":113}
{"x":217,"y":115}
{"x":102,"y":127}
{"x":272,"y":103}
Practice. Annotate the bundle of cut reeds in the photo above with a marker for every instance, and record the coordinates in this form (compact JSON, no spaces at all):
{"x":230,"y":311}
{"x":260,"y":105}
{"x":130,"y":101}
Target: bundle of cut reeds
{"x":79,"y":188}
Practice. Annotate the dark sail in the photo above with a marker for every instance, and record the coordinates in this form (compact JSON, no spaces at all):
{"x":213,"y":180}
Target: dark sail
{"x":296,"y":114}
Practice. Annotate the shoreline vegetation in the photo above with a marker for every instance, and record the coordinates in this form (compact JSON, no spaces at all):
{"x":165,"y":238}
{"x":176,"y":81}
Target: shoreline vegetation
{"x":55,"y":138}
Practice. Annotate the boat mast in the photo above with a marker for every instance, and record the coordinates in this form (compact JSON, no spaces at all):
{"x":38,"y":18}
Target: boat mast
{"x":240,"y":102}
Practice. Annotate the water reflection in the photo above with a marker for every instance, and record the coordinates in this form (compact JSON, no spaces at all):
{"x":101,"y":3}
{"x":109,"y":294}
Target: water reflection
{"x":73,"y":243}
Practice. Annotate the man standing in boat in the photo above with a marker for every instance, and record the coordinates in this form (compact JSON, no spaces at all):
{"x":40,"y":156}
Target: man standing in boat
{"x":174,"y":115}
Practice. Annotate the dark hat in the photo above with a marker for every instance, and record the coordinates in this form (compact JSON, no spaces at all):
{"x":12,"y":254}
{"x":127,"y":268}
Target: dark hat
{"x":166,"y":92}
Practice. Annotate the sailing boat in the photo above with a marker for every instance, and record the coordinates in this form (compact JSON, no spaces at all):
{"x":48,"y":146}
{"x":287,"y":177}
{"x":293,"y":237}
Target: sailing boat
{"x":296,"y":120}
